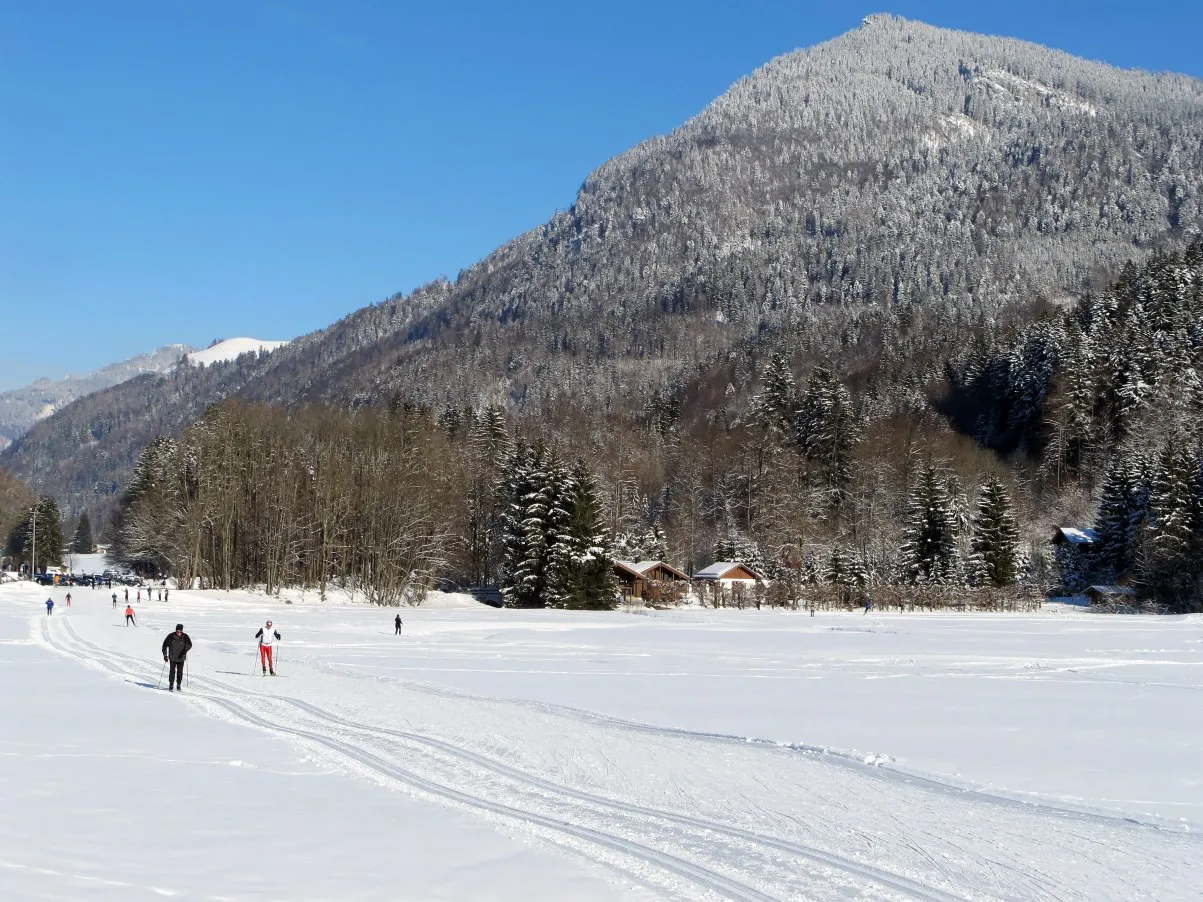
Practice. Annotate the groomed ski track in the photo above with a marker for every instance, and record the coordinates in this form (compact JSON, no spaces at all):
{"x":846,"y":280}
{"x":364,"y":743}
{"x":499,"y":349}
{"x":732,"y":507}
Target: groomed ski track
{"x":678,"y":854}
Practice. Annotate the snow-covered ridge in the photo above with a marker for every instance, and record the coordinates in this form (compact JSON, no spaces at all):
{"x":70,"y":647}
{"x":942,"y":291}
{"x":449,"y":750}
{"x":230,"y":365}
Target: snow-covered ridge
{"x":231,"y":349}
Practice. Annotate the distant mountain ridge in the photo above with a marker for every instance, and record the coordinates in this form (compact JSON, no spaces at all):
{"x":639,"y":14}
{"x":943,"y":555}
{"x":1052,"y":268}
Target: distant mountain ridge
{"x":863,"y":202}
{"x":21,"y":407}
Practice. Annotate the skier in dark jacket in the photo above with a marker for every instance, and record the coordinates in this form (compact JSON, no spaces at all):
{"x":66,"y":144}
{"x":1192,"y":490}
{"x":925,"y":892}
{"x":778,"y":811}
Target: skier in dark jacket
{"x":49,"y":606}
{"x":397,"y":624}
{"x":175,"y":649}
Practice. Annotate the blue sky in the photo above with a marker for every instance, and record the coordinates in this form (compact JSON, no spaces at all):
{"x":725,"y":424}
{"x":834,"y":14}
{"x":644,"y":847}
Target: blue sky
{"x":191,"y":170}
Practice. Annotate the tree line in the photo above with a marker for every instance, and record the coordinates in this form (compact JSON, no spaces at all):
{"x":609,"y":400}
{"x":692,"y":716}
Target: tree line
{"x":1086,"y":415}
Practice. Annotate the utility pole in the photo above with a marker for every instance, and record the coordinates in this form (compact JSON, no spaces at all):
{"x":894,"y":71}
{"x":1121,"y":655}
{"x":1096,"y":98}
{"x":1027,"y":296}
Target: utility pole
{"x":34,"y":522}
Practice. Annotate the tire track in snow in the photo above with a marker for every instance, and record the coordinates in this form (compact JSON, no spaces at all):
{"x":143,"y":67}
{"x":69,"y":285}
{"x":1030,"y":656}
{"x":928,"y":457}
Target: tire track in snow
{"x":707,"y":878}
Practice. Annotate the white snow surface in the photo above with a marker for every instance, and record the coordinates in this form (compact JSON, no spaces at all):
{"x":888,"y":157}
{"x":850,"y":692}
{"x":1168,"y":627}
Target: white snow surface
{"x":499,"y":754}
{"x":232,"y":349}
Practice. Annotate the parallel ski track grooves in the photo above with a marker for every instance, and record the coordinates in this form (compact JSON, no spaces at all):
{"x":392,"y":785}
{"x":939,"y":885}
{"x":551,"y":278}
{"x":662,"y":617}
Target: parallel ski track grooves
{"x":695,"y":873}
{"x":836,"y":758}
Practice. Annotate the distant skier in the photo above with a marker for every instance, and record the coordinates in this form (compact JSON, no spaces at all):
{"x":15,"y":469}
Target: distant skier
{"x":49,"y":606}
{"x":127,"y":595}
{"x":167,"y":595}
{"x":68,"y":599}
{"x":868,"y":604}
{"x":397,"y":624}
{"x":114,"y":601}
{"x":129,"y":616}
{"x":265,"y":636}
{"x":175,"y":649}
{"x":139,"y":595}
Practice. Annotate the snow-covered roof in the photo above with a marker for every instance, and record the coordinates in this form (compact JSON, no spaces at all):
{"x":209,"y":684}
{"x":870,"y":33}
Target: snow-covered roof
{"x":631,"y":568}
{"x":1076,"y":536}
{"x":231,"y":349}
{"x":1111,"y":590}
{"x":721,"y":568}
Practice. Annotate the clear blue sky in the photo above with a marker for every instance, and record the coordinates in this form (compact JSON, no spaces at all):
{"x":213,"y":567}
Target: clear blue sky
{"x":184,"y":170}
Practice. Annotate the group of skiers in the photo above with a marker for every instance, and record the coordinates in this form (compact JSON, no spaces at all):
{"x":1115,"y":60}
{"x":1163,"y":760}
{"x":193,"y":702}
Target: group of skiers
{"x":178,"y":643}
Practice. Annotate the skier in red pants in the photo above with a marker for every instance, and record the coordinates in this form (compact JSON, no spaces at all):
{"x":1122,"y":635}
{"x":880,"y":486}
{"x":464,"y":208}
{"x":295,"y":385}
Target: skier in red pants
{"x":266,"y":635}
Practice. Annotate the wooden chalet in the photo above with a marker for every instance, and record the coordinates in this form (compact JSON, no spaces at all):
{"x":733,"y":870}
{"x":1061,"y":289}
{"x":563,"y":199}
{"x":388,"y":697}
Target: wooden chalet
{"x":633,"y":577}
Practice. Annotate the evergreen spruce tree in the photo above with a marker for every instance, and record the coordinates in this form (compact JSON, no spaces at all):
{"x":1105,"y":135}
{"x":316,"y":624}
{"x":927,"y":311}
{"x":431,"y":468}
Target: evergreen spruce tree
{"x":777,"y":399}
{"x":1169,"y":566}
{"x":520,"y":586}
{"x":847,"y":572}
{"x":81,"y":542}
{"x":591,"y":583}
{"x":828,"y":433}
{"x":994,"y":559}
{"x":1122,"y":509}
{"x":49,"y":536}
{"x":929,"y":549}
{"x":559,"y":542}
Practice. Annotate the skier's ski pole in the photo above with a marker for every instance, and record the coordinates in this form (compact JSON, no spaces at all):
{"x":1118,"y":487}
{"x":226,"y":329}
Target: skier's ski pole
{"x":161,"y":674}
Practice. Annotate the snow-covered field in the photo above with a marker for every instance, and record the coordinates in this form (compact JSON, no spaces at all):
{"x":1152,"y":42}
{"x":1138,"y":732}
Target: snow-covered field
{"x":489,"y":754}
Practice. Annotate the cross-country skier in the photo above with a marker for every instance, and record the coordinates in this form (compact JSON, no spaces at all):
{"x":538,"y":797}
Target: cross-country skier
{"x":265,"y":636}
{"x":68,"y":599}
{"x":129,"y":616}
{"x":127,"y":596}
{"x":49,"y":606}
{"x":114,"y":601}
{"x":167,"y":595}
{"x":175,"y":649}
{"x":397,"y":624}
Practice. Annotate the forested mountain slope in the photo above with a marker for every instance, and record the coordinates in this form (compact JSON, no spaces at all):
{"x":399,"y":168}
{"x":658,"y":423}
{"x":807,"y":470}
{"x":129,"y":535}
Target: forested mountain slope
{"x":21,"y":407}
{"x":870,"y":202}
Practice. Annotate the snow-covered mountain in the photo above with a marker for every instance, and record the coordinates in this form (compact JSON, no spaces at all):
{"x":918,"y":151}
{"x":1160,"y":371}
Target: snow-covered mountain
{"x":224,"y":350}
{"x":21,"y":407}
{"x":867,"y":202}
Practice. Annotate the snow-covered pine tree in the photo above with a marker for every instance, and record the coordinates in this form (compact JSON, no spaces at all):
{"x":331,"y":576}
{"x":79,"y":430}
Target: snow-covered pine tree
{"x":847,"y":572}
{"x":489,"y":447}
{"x":1169,"y":567}
{"x":520,"y":586}
{"x":650,"y":545}
{"x":828,"y":433}
{"x":777,"y":400}
{"x":591,"y":575}
{"x":994,"y":556}
{"x":1122,"y":510}
{"x":559,"y":543}
{"x":929,"y":550}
